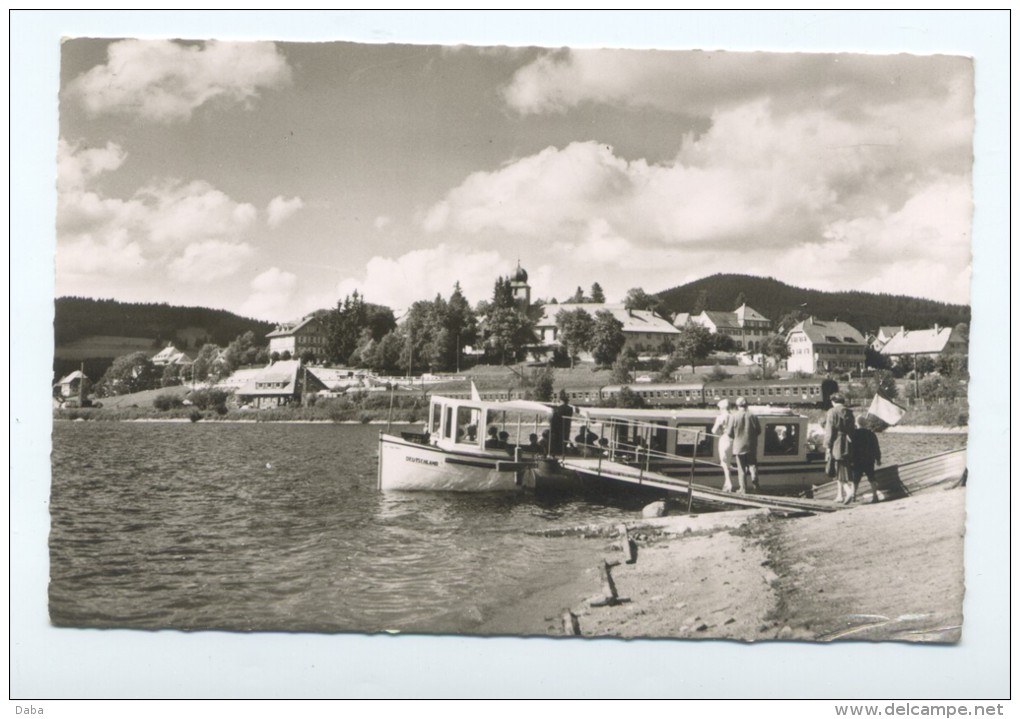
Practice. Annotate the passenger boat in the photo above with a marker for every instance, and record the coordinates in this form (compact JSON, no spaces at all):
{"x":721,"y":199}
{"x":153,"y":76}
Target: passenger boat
{"x":456,"y":452}
{"x":679,"y":443}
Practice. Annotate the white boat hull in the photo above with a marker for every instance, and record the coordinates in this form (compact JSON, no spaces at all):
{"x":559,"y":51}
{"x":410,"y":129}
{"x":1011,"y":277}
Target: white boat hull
{"x":408,"y":466}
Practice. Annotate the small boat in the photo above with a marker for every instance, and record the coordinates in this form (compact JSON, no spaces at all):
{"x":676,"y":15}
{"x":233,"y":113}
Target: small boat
{"x":470,"y":445}
{"x":679,"y":443}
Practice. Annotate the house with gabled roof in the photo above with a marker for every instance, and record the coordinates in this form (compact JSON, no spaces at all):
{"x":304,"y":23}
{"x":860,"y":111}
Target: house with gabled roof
{"x":170,"y":355}
{"x":746,"y":326}
{"x":281,"y":383}
{"x":884,"y":334}
{"x":309,"y":334}
{"x":933,"y":343}
{"x":825,"y":346}
{"x":643,"y":331}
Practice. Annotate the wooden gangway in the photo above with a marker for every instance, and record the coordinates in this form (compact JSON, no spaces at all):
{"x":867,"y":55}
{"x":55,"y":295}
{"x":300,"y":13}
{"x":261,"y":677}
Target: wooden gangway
{"x":900,"y":480}
{"x":596,"y":469}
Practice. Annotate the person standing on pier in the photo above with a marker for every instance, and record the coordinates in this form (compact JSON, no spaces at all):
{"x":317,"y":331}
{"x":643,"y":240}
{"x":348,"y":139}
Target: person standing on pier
{"x":559,"y":426}
{"x":867,"y":454}
{"x":721,"y":430}
{"x":744,"y":430}
{"x":839,"y":428}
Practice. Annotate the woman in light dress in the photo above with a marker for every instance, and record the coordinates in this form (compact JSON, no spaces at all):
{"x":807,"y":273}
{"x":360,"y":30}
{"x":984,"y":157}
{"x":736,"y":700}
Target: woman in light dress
{"x":719,"y":429}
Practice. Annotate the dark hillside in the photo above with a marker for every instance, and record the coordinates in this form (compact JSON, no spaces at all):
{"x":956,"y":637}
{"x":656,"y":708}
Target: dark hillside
{"x":774,"y":299}
{"x":78,"y":317}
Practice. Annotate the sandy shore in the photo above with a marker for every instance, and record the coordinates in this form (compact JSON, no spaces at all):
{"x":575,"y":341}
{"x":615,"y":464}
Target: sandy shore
{"x":887,"y":571}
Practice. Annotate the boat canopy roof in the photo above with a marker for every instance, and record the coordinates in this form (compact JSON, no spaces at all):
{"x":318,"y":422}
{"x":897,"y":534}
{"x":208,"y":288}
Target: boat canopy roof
{"x":519,"y":405}
{"x":604,"y":413}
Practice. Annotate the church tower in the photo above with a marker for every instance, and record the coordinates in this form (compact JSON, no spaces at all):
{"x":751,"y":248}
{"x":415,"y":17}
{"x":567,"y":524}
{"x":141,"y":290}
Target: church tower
{"x":521,"y":290}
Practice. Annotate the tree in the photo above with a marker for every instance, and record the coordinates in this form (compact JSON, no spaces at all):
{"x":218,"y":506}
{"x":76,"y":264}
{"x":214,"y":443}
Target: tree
{"x":875,"y":359}
{"x":693,"y":344}
{"x":776,"y":347}
{"x":578,"y":297}
{"x":882,"y":382}
{"x":203,"y":366}
{"x":623,"y":367}
{"x":607,"y":338}
{"x":597,"y":295}
{"x":723,"y":343}
{"x":540,"y":385}
{"x":343,"y":327}
{"x":700,"y":304}
{"x":575,"y":331}
{"x":741,"y":301}
{"x":638,"y":299}
{"x":509,"y":332}
{"x":629,"y":399}
{"x":128,"y":374}
{"x":955,"y":366}
{"x":170,"y":376}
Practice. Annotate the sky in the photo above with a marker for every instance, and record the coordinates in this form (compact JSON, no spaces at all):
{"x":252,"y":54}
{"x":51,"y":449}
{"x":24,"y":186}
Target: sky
{"x":272,"y":179}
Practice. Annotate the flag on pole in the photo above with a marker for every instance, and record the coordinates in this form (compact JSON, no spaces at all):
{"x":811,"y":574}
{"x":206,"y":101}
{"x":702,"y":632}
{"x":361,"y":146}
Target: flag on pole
{"x":475,"y":397}
{"x":889,"y":412}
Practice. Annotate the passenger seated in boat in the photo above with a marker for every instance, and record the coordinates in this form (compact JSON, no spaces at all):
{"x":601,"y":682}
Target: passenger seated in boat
{"x":781,"y":440}
{"x":532,"y":445}
{"x":492,"y":441}
{"x":586,"y":441}
{"x":543,"y":443}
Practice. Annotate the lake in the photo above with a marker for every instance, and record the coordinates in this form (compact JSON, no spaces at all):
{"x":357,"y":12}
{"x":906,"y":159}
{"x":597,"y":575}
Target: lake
{"x":271,"y":526}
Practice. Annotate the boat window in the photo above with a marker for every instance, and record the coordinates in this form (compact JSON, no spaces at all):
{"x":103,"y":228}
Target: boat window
{"x":519,"y":425}
{"x":467,"y":424}
{"x":781,"y":438}
{"x":685,"y":435}
{"x":437,"y":416}
{"x":448,"y":423}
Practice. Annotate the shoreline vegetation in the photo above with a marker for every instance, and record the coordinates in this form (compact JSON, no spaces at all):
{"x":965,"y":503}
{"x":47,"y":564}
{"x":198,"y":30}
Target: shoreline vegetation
{"x":754,"y":576}
{"x":407,"y":410}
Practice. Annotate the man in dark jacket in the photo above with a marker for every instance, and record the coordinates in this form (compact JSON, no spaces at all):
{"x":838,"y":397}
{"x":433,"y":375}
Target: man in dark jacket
{"x":867,"y":454}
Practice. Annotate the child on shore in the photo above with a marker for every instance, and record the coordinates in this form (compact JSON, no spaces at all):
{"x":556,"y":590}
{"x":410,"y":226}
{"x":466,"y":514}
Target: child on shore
{"x":867,"y":454}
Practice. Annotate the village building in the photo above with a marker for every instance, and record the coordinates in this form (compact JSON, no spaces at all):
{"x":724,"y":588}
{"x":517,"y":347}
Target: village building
{"x":825,"y":346}
{"x":882,"y":337}
{"x":281,"y":383}
{"x":295,"y":338}
{"x":933,"y":344}
{"x":644,"y":332}
{"x":70,"y":386}
{"x":170,"y":355}
{"x":746,"y":326}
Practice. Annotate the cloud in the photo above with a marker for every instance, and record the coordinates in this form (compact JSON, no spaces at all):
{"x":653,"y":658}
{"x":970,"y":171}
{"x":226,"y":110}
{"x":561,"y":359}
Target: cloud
{"x":765,"y":190}
{"x":280,"y":208}
{"x":271,"y":295}
{"x":77,"y":164}
{"x":382,"y":222}
{"x":190,"y":231}
{"x":166,"y":81}
{"x":203,"y":262}
{"x":421,"y":274}
{"x":702,"y":83}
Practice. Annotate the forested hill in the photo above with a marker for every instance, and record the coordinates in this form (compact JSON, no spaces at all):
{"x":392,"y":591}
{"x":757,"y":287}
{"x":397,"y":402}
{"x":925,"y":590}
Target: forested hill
{"x":774,"y":299}
{"x":78,"y":317}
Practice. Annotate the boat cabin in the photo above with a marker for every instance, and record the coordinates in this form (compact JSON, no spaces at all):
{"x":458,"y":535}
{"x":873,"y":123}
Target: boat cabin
{"x":686,"y":433}
{"x":500,"y":428}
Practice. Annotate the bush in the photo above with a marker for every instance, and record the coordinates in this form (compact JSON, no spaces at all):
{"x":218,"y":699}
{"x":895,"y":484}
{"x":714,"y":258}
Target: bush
{"x":208,"y":398}
{"x":718,"y":374}
{"x":195,"y":415}
{"x":165,"y":402}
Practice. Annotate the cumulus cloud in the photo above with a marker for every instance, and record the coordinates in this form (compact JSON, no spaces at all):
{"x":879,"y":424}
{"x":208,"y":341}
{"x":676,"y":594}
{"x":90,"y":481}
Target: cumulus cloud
{"x":167,"y":81}
{"x":192,"y":231}
{"x":271,"y":295}
{"x":421,"y":274}
{"x":280,"y":208}
{"x":700,"y":82}
{"x":765,"y":189}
